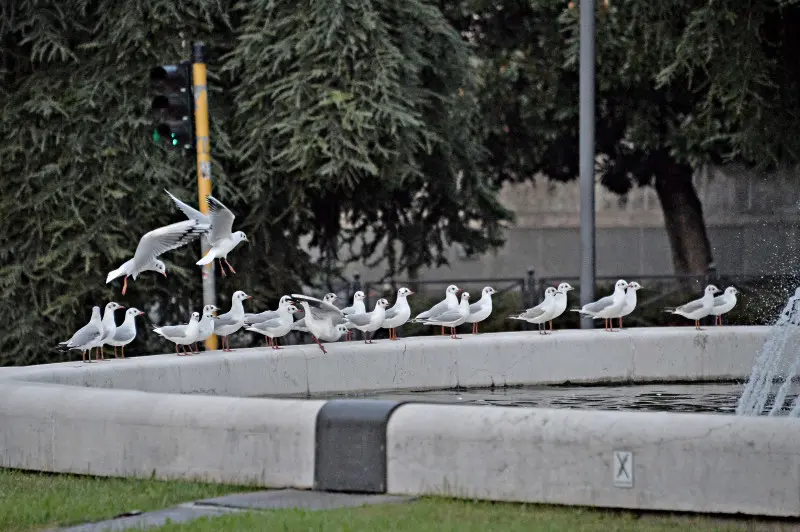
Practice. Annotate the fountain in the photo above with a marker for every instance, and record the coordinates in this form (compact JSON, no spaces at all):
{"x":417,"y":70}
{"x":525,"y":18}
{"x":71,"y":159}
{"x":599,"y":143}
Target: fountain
{"x":779,"y":359}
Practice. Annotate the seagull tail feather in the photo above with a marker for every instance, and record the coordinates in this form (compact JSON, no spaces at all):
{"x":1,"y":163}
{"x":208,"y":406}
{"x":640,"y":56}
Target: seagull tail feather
{"x":208,"y":259}
{"x":113,"y":274}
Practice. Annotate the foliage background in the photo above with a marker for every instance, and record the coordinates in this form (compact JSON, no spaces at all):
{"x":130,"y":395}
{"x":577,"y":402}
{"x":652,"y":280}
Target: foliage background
{"x":308,"y":131}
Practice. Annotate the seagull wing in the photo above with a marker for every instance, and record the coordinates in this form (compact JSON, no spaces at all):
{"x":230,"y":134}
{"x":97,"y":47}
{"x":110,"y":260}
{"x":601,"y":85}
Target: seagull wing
{"x":190,"y":212}
{"x":269,"y":324}
{"x":163,"y":239}
{"x":224,"y":321}
{"x":88,"y":333}
{"x":444,"y":317}
{"x":173,"y":331}
{"x":691,"y":306}
{"x":320,"y":308}
{"x":433,"y":311}
{"x":600,"y":304}
{"x":475,"y":307}
{"x":359,"y":319}
{"x":221,"y":219}
{"x":720,"y":300}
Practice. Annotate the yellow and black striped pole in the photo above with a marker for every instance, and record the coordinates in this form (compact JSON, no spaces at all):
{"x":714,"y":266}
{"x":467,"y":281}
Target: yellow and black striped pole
{"x":203,"y":165}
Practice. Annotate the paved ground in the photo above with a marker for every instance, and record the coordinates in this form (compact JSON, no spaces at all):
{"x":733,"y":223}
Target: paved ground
{"x":260,"y":500}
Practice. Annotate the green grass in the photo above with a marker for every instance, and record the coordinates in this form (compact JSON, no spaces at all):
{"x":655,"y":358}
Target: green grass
{"x":34,"y":501}
{"x":445,"y":515}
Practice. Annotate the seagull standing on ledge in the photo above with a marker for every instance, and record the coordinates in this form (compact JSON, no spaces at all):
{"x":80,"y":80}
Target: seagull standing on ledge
{"x":452,"y":318}
{"x":481,"y":309}
{"x":369,"y":322}
{"x":450,"y":302}
{"x":357,"y":307}
{"x":185,"y":334}
{"x":699,"y":308}
{"x":87,"y":336}
{"x":630,"y":300}
{"x":607,"y":307}
{"x":541,"y":313}
{"x":561,"y":301}
{"x":724,"y":304}
{"x":231,"y":321}
{"x":398,"y":314}
{"x":125,"y":333}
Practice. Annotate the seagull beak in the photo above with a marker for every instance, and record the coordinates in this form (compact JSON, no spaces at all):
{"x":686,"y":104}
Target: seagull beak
{"x":410,"y":293}
{"x":164,"y":274}
{"x":122,"y":306}
{"x":249,"y":297}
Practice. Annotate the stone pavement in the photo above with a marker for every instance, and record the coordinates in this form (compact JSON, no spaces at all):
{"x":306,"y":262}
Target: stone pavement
{"x":239,"y":502}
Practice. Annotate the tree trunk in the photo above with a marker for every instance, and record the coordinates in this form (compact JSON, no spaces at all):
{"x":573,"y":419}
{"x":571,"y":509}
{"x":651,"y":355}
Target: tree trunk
{"x":683,"y":216}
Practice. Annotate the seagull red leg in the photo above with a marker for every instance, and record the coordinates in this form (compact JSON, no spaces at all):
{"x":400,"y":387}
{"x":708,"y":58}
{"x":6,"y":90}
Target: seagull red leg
{"x":319,"y":344}
{"x":125,"y":285}
{"x":229,"y":266}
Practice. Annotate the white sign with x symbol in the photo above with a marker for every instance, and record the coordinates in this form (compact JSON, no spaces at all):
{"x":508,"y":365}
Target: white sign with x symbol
{"x":623,"y":469}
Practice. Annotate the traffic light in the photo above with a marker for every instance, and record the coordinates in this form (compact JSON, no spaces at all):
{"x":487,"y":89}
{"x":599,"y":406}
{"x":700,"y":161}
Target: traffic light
{"x":172,"y":106}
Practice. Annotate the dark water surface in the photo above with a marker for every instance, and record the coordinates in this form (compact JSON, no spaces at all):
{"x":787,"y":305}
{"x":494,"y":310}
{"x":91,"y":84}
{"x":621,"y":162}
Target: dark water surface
{"x":709,"y":398}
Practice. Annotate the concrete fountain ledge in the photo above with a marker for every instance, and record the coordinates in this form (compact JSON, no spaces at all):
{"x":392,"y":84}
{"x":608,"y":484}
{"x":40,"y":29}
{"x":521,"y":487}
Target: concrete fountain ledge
{"x":162,"y":416}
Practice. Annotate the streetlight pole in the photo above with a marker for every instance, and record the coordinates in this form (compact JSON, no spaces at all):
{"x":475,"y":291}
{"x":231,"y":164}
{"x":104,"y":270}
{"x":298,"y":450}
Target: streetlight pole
{"x":203,"y":166}
{"x":587,"y":154}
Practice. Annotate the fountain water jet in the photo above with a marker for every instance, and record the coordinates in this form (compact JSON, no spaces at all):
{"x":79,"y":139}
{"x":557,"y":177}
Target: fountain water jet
{"x":773,"y":362}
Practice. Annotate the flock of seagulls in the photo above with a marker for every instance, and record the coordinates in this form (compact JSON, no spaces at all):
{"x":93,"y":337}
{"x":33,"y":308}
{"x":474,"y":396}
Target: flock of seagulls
{"x":328,"y":323}
{"x":322,"y":318}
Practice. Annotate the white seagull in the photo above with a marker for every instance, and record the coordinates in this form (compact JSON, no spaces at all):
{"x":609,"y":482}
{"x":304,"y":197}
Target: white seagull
{"x":276,"y":327}
{"x":324,"y":320}
{"x":251,"y":318}
{"x":300,"y":325}
{"x":109,"y":326}
{"x":561,"y":301}
{"x":126,"y":332}
{"x":205,"y":327}
{"x":185,"y":334}
{"x":699,"y":308}
{"x":452,"y":318}
{"x":723,"y":304}
{"x":231,"y":321}
{"x":152,"y":245}
{"x":630,"y":300}
{"x":87,"y":336}
{"x":357,"y":307}
{"x":369,"y":322}
{"x":607,"y":307}
{"x":222,"y":239}
{"x":398,"y":314}
{"x":450,"y":302}
{"x":541,"y":313}
{"x":481,"y":309}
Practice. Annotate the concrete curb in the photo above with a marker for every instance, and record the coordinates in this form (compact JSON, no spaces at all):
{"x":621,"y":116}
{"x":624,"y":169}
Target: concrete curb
{"x":91,"y":419}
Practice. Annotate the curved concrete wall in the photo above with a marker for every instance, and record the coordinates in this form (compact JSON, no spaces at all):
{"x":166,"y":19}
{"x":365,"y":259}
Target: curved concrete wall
{"x":104,"y":419}
{"x":418,"y":363}
{"x":684,"y":462}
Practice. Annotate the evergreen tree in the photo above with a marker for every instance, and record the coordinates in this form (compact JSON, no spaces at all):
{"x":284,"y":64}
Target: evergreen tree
{"x":679,"y":84}
{"x":329,"y":122}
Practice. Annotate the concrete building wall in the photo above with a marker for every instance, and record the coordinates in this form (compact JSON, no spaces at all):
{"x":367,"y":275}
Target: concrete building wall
{"x":753,"y":222}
